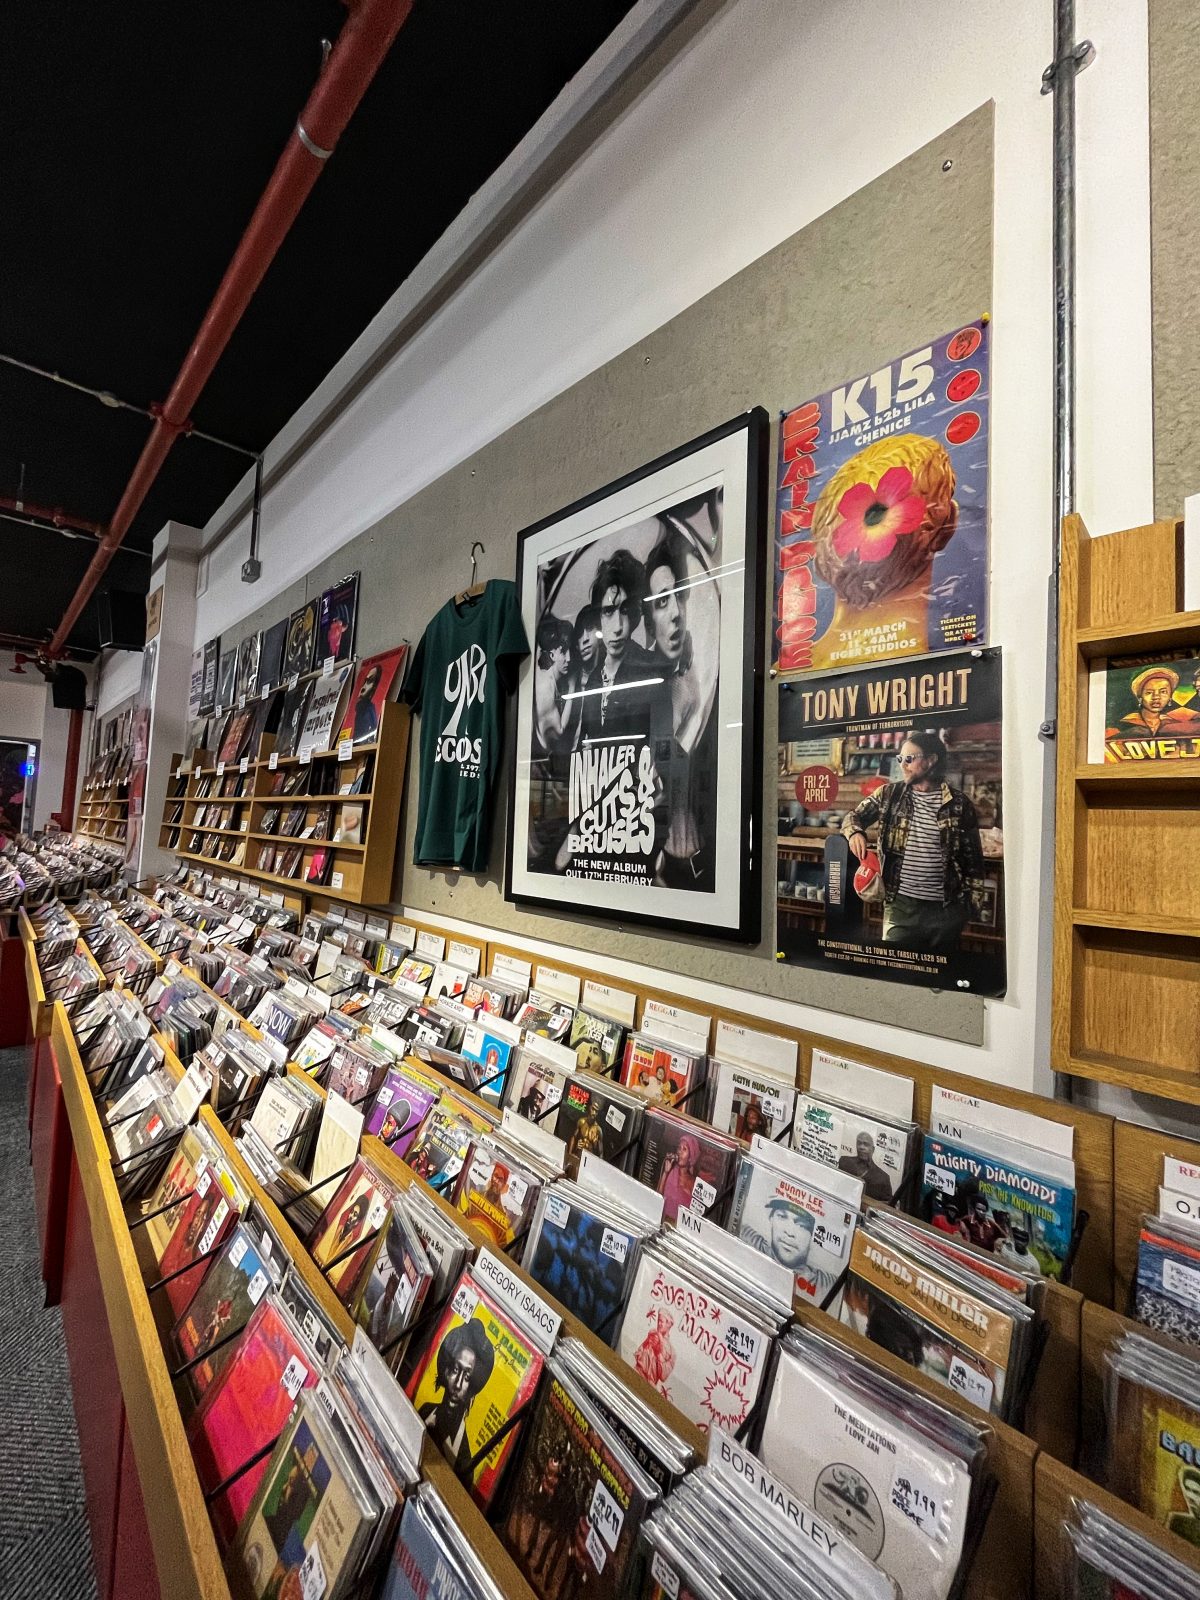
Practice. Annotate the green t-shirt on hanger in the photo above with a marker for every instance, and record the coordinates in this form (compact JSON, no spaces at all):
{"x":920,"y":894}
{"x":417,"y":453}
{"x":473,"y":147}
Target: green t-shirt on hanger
{"x":465,"y":666}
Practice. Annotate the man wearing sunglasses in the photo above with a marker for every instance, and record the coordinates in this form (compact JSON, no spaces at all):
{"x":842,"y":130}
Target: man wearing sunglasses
{"x":930,"y":855}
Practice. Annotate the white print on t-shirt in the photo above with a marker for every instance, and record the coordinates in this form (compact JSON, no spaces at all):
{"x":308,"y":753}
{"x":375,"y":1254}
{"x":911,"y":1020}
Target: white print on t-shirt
{"x":466,"y":682}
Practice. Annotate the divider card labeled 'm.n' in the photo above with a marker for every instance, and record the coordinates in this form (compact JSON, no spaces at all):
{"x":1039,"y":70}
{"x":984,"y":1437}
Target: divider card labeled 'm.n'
{"x":1043,"y":1133}
{"x":888,"y":1491}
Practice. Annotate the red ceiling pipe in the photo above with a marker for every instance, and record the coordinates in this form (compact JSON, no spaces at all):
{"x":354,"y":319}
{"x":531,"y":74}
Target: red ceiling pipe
{"x":354,"y":60}
{"x":58,"y":517}
{"x":66,"y":811}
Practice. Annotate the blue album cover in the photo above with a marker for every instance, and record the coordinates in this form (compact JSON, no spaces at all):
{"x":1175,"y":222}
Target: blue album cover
{"x":584,"y":1262}
{"x":1167,"y":1292}
{"x":1020,"y":1217}
{"x":492,"y":1052}
{"x":422,"y":1568}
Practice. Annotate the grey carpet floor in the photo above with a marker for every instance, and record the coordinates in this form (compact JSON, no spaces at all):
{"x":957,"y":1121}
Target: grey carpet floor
{"x":45,"y":1548}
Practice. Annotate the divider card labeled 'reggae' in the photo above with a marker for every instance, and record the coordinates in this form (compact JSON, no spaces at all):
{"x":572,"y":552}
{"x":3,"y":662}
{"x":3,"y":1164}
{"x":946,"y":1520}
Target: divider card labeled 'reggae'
{"x":511,"y":968}
{"x":887,"y":1093}
{"x":603,"y":1000}
{"x":1058,"y":1138}
{"x":1183,"y":1177}
{"x":764,"y":1052}
{"x":690,"y":1029}
{"x":558,"y":984}
{"x":749,"y":1480}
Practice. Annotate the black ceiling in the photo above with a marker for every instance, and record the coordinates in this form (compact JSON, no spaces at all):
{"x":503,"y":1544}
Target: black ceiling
{"x":136,"y":140}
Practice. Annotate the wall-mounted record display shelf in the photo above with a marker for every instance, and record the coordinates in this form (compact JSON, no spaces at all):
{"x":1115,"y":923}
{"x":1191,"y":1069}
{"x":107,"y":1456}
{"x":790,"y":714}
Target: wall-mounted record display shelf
{"x":104,"y":802}
{"x":324,"y":824}
{"x":1127,"y":872}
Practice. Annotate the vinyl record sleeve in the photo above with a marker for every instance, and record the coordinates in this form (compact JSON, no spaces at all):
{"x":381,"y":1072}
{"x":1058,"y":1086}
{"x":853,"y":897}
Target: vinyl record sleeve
{"x":359,"y":1208}
{"x":301,"y":638}
{"x":597,"y":1041}
{"x":336,"y":625}
{"x":746,"y":1102}
{"x":658,"y":1070}
{"x":479,"y":1368}
{"x":994,"y":1197}
{"x":247,"y":1407}
{"x":687,"y":1163}
{"x":224,"y":1302}
{"x":888,"y":1490}
{"x":399,"y":1109}
{"x":805,"y":1231}
{"x":576,"y":1510}
{"x":535,"y":1087}
{"x":705,"y":1359}
{"x":831,"y":1134}
{"x":317,"y":731}
{"x":398,"y":1284}
{"x":583,"y":1259}
{"x":494,"y":1196}
{"x":270,"y":661}
{"x":591,"y":1118}
{"x":373,"y":685}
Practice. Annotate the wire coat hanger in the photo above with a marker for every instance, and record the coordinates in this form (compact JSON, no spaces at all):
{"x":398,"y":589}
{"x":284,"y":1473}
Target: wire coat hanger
{"x":473,"y":589}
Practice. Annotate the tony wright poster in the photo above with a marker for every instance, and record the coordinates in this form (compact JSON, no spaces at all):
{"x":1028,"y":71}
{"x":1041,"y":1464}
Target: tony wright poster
{"x":891,"y":824}
{"x":881,"y":511}
{"x":639,"y":714}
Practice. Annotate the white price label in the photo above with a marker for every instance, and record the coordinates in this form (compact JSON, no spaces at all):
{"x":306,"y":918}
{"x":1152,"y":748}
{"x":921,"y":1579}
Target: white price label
{"x":1182,"y":1283}
{"x":464,"y":1302}
{"x":941,"y":1180}
{"x":257,"y":1286}
{"x":293,"y":680}
{"x":917,"y":1498}
{"x":306,"y":756}
{"x":220,"y":769}
{"x":336,"y":880}
{"x":196,"y":771}
{"x":241,"y":702}
{"x":179,"y":770}
{"x":743,"y":1343}
{"x":605,"y":1515}
{"x":558,"y":1210}
{"x":266,"y":690}
{"x":345,"y":749}
{"x":664,"y":1576}
{"x":595,"y":1549}
{"x":327,"y":667}
{"x":615,"y":1118}
{"x":273,"y":760}
{"x":703,"y":1195}
{"x":264,"y":1247}
{"x":972,"y":1385}
{"x":244,"y":764}
{"x":831,"y":1238}
{"x":294,"y":1375}
{"x":312,"y":1575}
{"x":203,"y":1185}
{"x":614,"y":1244}
{"x":238,"y":1250}
{"x":210,"y":1233}
{"x":384,"y":1097}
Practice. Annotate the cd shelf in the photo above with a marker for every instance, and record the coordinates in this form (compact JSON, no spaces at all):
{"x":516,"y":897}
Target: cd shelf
{"x":1126,"y":979}
{"x":356,"y":869}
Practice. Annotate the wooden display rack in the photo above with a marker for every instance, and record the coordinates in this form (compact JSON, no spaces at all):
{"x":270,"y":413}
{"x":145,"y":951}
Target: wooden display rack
{"x":361,"y":873}
{"x":104,"y":808}
{"x":1126,"y":918}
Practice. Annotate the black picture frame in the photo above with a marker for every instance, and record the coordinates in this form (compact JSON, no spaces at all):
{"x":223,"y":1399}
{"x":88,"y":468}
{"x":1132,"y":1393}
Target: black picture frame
{"x":723,"y":570}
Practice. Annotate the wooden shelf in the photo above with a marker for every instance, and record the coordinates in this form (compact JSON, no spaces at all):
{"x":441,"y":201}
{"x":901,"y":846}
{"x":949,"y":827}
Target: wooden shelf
{"x":1153,"y":774}
{"x":1126,"y":970}
{"x":1126,"y":639}
{"x":1138,"y":922}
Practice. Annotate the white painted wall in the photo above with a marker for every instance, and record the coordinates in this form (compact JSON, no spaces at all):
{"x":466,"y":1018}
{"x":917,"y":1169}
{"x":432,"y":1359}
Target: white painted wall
{"x":775,"y":113}
{"x":26,"y":712}
{"x":119,"y":675}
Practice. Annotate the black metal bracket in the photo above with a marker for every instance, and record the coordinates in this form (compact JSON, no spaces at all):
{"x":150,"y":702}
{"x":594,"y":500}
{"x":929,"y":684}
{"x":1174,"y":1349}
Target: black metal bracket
{"x":149,"y":1216}
{"x":467,"y":1470}
{"x":161,"y":1283}
{"x":353,"y":1250}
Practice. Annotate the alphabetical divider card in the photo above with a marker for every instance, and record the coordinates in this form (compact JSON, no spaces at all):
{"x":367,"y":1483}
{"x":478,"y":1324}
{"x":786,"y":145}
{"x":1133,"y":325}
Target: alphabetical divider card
{"x":404,"y":934}
{"x":511,"y":968}
{"x":557,"y":984}
{"x":533,"y":1136}
{"x":1181,"y":1177}
{"x":691,"y":1029}
{"x":887,"y":1093}
{"x":748,"y":1264}
{"x":430,"y":945}
{"x":515,"y":1292}
{"x":602,"y":1000}
{"x":467,"y":956}
{"x":601,"y":1177}
{"x":1057,"y":1138}
{"x":762,"y":1052}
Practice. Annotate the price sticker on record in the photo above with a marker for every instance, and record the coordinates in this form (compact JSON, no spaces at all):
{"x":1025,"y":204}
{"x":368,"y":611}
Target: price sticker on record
{"x":238,"y":1251}
{"x":614,"y":1244}
{"x":703,"y":1195}
{"x":615,"y":1118}
{"x":605,"y":1515}
{"x":210,"y":1233}
{"x":313,"y":1582}
{"x":971,"y":1384}
{"x":256,"y":1288}
{"x":941,"y":1180}
{"x":830,"y":1238}
{"x":558,"y":1210}
{"x":244,"y":764}
{"x":345,"y":750}
{"x":273,"y":760}
{"x":664,"y":1576}
{"x":293,"y":1377}
{"x":595,"y":1548}
{"x":464,"y":1302}
{"x":917,"y":1498}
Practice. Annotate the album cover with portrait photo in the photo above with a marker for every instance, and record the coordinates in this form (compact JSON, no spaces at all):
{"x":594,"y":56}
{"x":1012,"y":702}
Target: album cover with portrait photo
{"x":372,"y":687}
{"x":336,"y":620}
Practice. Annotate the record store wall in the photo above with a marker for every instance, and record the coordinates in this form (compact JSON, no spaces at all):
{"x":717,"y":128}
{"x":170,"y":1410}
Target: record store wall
{"x":747,"y":232}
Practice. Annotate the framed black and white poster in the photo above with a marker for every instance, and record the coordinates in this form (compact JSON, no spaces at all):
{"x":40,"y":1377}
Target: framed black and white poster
{"x":637,"y":777}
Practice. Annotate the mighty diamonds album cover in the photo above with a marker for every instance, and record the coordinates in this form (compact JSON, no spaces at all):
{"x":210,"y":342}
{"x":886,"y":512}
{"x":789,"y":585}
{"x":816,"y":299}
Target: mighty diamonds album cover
{"x":890,"y":845}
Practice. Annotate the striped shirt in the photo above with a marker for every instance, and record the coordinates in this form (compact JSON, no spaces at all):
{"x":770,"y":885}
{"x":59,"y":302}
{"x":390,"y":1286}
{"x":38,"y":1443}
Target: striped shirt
{"x":923,"y":874}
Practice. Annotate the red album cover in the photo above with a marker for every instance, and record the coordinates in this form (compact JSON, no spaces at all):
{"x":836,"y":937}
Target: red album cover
{"x":357,"y":1211}
{"x":371,"y":689}
{"x":246,"y":1409}
{"x":200,"y":1225}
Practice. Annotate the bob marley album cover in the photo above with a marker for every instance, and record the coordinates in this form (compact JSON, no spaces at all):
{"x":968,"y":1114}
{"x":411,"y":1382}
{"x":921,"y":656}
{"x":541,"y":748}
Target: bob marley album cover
{"x":890,"y":848}
{"x":881,"y":511}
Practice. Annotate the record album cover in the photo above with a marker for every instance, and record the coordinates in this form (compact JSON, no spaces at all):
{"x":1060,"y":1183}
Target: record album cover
{"x":805,"y":1231}
{"x":373,"y":685}
{"x":301,"y":638}
{"x":335,"y":627}
{"x":584,"y":1261}
{"x":991,"y":1202}
{"x":1152,"y":707}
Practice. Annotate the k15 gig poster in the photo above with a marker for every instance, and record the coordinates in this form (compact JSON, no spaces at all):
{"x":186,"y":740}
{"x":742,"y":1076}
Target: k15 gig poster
{"x":639,"y":714}
{"x":891,"y":822}
{"x":881,"y":511}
